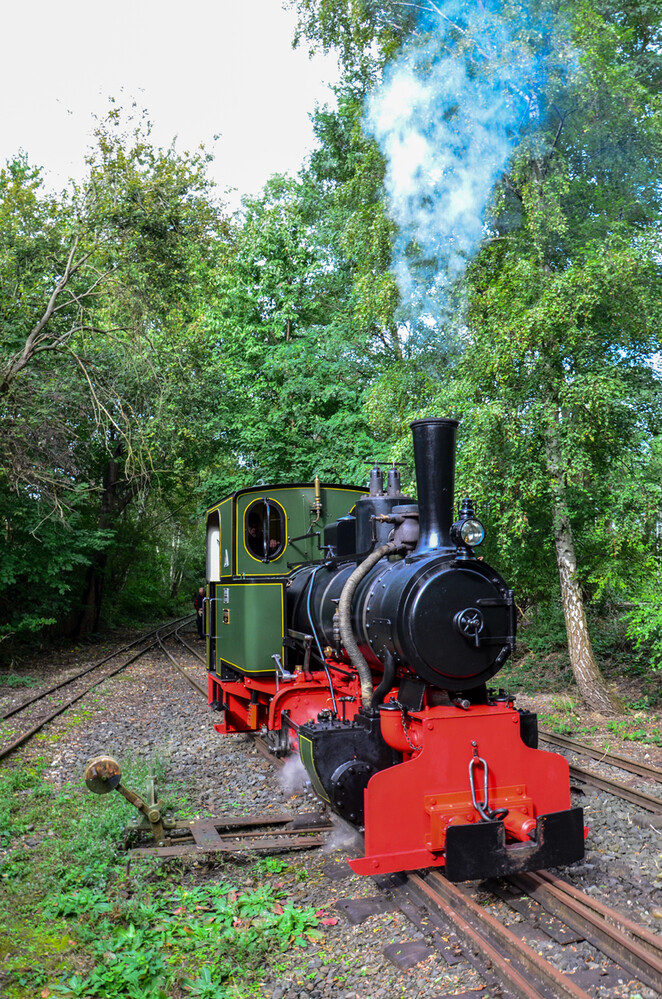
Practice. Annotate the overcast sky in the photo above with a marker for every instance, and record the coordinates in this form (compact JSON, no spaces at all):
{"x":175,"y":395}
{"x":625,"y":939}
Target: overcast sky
{"x":201,"y":68}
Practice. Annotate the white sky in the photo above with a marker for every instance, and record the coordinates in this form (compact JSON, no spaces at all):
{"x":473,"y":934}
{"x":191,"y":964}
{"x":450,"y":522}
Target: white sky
{"x":201,"y":68}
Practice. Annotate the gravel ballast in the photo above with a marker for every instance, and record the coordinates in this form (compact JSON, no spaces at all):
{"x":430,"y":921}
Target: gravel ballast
{"x":150,"y":713}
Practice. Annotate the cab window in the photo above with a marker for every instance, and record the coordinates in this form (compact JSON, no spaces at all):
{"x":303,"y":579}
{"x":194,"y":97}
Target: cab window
{"x":264,"y":529}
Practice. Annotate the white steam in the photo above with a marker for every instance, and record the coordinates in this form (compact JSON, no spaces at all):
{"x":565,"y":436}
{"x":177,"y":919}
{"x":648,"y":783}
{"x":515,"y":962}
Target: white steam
{"x":343,"y":838}
{"x":447,"y":117}
{"x":293,"y":776}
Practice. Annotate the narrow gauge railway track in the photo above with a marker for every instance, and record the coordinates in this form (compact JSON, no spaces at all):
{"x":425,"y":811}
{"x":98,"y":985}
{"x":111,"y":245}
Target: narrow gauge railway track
{"x":176,"y":633}
{"x":452,"y":916}
{"x":649,"y":802}
{"x":260,"y":744}
{"x":447,"y":912}
{"x":602,"y":756}
{"x":79,"y":692}
{"x":631,"y":946}
{"x":495,"y":950}
{"x":640,"y":798}
{"x":516,"y":965}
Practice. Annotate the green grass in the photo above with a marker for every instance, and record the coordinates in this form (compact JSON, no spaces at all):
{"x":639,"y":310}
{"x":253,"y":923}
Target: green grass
{"x":74,"y":923}
{"x":637,"y":726}
{"x":564,"y":720}
{"x":12,"y":680}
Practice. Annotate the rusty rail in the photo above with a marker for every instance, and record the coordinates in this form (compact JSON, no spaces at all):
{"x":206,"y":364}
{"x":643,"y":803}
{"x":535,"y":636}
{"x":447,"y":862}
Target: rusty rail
{"x":627,"y":943}
{"x":233,"y":834}
{"x":189,"y":679}
{"x":602,"y":756}
{"x":522,"y":971}
{"x":194,"y":652}
{"x":75,"y":676}
{"x":647,"y":801}
{"x":27,"y":735}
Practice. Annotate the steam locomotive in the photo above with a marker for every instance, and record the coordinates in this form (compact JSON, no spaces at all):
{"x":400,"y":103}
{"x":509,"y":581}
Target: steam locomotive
{"x":359,"y":628}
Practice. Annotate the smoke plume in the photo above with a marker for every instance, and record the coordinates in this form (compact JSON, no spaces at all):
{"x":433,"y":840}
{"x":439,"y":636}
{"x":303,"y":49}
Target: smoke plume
{"x":448,"y":114}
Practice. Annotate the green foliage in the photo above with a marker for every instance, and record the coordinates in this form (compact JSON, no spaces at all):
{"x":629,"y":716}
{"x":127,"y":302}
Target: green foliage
{"x":362,"y":32}
{"x":81,"y":900}
{"x":69,"y":905}
{"x":207,"y":985}
{"x":13,"y":783}
{"x":285,"y":366}
{"x":101,"y":287}
{"x":545,"y":632}
{"x":157,"y":563}
{"x":12,"y":680}
{"x":42,"y":557}
{"x":647,"y":701}
{"x":644,"y":627}
{"x":564,"y":719}
{"x":636,"y":730}
{"x":536,"y":673}
{"x":270,"y":865}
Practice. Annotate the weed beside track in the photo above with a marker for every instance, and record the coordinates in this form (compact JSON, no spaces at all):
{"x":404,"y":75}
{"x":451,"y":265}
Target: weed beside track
{"x":76,"y":923}
{"x":73,"y":922}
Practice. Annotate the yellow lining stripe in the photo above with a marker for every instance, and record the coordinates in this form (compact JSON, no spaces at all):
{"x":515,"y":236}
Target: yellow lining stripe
{"x":213,"y":509}
{"x":317,"y":783}
{"x":246,"y":548}
{"x":243,"y":669}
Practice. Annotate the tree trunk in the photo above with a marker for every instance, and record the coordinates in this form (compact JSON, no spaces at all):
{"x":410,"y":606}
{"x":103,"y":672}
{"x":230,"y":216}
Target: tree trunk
{"x":176,"y":563}
{"x":589,"y":679}
{"x":88,"y":621}
{"x":111,"y":507}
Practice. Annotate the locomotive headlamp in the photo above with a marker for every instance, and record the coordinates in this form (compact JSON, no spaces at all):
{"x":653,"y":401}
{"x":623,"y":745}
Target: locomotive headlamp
{"x":472,"y":532}
{"x":467,"y":530}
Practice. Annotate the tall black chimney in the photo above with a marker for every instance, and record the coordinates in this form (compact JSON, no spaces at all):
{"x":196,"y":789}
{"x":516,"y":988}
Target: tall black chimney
{"x":434,"y":457}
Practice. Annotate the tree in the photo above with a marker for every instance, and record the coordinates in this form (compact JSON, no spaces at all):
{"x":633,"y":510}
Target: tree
{"x":564,"y":307}
{"x":287,"y":363}
{"x":100,"y":289}
{"x":364,"y":33}
{"x":561,"y":317}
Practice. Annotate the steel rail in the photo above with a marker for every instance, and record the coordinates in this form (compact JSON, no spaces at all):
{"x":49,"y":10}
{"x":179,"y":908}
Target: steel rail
{"x":647,"y":801}
{"x":186,"y":645}
{"x":522,"y":971}
{"x":632,"y":947}
{"x":27,"y":735}
{"x":201,"y":690}
{"x":83,"y":672}
{"x":602,"y":756}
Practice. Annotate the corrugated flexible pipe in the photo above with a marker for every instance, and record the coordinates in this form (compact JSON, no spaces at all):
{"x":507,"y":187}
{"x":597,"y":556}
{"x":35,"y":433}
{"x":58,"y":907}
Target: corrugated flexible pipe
{"x":345,"y":619}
